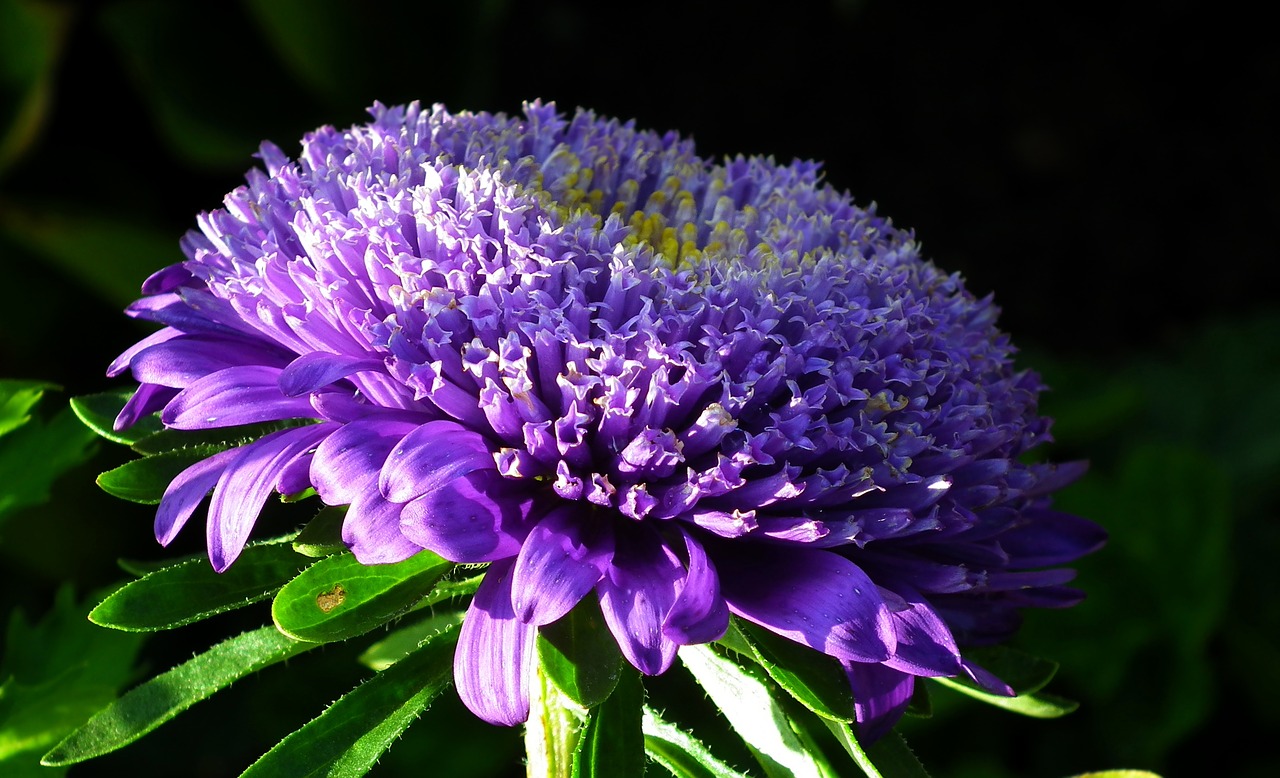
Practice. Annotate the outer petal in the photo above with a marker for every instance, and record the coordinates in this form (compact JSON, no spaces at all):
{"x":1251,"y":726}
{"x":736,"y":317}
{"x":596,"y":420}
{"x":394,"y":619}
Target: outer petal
{"x":318,"y":369}
{"x":494,"y":657}
{"x":245,"y":485}
{"x":348,"y":461}
{"x":699,"y":614}
{"x":563,"y":557}
{"x":813,"y":597}
{"x":431,"y":456}
{"x":478,"y":517}
{"x":236,"y":395}
{"x":637,"y":594}
{"x":1051,"y":538}
{"x":184,"y":360}
{"x":372,"y":529}
{"x":925,"y":646}
{"x":880,"y":695}
{"x":186,"y":491}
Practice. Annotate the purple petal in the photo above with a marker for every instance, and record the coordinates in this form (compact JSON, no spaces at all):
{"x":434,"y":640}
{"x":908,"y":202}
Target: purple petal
{"x":318,"y":369}
{"x":925,"y":645}
{"x":123,"y":361}
{"x":371,"y":529}
{"x":236,"y":395}
{"x":699,"y":614}
{"x":563,"y":557}
{"x":348,"y":461}
{"x":477,"y":517}
{"x":637,"y":593}
{"x":880,"y":695}
{"x":182,"y":361}
{"x":186,"y":491}
{"x":984,"y":678}
{"x":430,"y":457}
{"x":246,"y":483}
{"x":813,"y":597}
{"x":494,"y":658}
{"x":148,"y":399}
{"x":166,"y":279}
{"x":1051,"y":538}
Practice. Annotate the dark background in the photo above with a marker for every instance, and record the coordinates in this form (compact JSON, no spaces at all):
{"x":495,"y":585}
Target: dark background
{"x":1113,"y":177}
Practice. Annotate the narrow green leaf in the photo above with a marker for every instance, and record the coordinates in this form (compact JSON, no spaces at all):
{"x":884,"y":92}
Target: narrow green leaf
{"x":683,"y":755}
{"x":580,"y":655}
{"x":753,"y":712}
{"x":348,"y":738}
{"x":1040,"y":705}
{"x":323,"y":534}
{"x":888,"y":757}
{"x":403,"y":641}
{"x":338,"y":598}
{"x":190,"y":590}
{"x":144,"y":480}
{"x":149,"y":705}
{"x":217,"y":439}
{"x":98,"y":412}
{"x":1118,"y":774}
{"x":35,"y":453}
{"x":1026,"y":673}
{"x":612,"y":744}
{"x":815,"y":679}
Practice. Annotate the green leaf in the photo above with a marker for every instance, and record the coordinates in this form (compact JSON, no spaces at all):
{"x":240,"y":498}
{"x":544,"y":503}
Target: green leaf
{"x":753,"y":712}
{"x":612,"y":744}
{"x":145,"y":480}
{"x":323,"y":534}
{"x":888,"y":757}
{"x":348,"y":738}
{"x":815,"y":679}
{"x":1040,"y":706}
{"x":1118,"y":774}
{"x":58,"y":671}
{"x":99,"y":411}
{"x":402,"y":642}
{"x":154,"y":702}
{"x":1026,"y":673}
{"x":683,"y":755}
{"x":338,"y":598}
{"x":190,"y":590}
{"x":218,"y":438}
{"x":580,"y":655}
{"x":17,"y":398}
{"x":35,"y":452}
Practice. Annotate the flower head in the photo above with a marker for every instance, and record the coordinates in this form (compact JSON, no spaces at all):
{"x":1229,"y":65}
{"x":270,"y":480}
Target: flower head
{"x":610,"y":368}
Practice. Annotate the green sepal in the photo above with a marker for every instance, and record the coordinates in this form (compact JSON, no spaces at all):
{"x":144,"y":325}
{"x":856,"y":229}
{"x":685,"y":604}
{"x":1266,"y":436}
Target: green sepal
{"x":612,"y":743}
{"x":349,"y":737}
{"x":154,"y":702}
{"x":323,"y":534}
{"x":338,"y":597}
{"x":190,"y":590}
{"x":815,"y":679}
{"x":580,"y":655}
{"x":683,"y":755}
{"x":99,"y":411}
{"x":749,"y":704}
{"x":145,"y":480}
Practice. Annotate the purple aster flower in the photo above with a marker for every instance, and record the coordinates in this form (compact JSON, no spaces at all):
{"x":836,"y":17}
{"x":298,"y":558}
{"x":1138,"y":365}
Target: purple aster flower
{"x":610,"y":368}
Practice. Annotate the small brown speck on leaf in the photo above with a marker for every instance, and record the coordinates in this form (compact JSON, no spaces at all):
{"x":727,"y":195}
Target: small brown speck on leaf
{"x":332,"y":598}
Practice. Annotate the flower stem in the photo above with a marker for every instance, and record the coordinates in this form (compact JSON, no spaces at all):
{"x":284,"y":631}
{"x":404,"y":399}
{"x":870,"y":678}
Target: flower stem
{"x":551,"y":734}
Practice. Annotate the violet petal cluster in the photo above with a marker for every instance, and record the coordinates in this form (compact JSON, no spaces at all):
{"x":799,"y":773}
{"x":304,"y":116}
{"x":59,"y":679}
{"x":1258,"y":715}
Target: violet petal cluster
{"x":610,"y":368}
